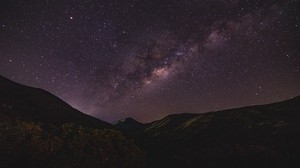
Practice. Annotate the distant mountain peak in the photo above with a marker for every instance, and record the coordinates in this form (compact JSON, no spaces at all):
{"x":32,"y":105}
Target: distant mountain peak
{"x":128,"y":123}
{"x":127,"y":120}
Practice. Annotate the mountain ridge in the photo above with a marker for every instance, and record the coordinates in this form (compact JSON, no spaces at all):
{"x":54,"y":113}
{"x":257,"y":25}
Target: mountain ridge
{"x":296,"y":98}
{"x":35,"y":104}
{"x":265,"y":135}
{"x":37,"y":129}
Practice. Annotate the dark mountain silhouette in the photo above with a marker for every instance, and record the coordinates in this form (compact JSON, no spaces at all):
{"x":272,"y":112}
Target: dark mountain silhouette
{"x":132,"y":128}
{"x":32,"y":104}
{"x":129,"y":124}
{"x":255,"y":136}
{"x":37,"y":129}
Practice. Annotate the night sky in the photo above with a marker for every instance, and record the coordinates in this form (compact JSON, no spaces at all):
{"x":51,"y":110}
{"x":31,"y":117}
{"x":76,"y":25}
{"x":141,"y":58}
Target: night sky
{"x":149,"y":58}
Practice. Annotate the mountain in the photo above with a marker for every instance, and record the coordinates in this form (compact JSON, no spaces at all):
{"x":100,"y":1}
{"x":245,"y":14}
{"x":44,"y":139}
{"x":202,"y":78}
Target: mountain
{"x":37,"y":129}
{"x":32,"y":104}
{"x":133,"y":129}
{"x":128,"y":124}
{"x":255,"y":136}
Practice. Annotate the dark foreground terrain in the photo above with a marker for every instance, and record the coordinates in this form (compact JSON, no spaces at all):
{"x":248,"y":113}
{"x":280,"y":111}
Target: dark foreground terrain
{"x":37,"y":129}
{"x":256,"y":136}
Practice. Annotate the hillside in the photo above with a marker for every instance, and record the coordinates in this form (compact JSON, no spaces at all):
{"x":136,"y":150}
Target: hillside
{"x":37,"y":129}
{"x":255,"y":136}
{"x":32,"y":104}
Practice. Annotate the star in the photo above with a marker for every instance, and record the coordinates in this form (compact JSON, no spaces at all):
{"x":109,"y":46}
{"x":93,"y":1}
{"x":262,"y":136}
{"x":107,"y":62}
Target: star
{"x":189,"y":56}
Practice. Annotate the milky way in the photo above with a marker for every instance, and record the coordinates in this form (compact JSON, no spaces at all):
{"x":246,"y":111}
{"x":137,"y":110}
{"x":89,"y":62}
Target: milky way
{"x":147,"y":59}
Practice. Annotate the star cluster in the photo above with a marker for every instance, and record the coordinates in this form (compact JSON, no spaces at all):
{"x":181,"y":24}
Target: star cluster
{"x":147,"y":59}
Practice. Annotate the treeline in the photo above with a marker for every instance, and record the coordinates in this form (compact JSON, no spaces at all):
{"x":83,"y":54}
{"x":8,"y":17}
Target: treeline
{"x":29,"y":144}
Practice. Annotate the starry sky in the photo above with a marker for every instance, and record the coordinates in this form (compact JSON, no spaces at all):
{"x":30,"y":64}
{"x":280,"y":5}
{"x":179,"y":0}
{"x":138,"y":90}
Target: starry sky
{"x":150,"y":58}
